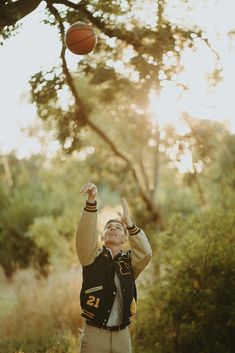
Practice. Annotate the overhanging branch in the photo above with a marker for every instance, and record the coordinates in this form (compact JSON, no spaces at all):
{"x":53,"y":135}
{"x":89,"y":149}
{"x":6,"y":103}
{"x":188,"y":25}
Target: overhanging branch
{"x":83,"y":116}
{"x":126,"y":36}
{"x":13,"y":12}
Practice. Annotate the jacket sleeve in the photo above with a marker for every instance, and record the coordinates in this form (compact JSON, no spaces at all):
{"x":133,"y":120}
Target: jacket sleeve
{"x":141,"y":249}
{"x":87,"y":235}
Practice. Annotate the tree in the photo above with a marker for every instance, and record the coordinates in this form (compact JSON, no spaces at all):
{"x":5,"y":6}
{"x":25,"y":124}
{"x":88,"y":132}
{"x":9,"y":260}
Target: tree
{"x":147,"y":47}
{"x":38,"y":216}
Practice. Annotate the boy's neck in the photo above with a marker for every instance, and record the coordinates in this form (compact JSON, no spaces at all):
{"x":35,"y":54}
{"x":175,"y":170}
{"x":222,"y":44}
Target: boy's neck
{"x":115,"y":250}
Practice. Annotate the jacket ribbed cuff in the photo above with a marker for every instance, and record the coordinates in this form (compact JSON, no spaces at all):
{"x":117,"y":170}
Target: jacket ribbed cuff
{"x":90,"y":206}
{"x":133,"y":230}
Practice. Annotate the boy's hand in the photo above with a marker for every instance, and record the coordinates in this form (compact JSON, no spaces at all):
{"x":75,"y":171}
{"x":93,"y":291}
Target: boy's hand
{"x":91,"y":191}
{"x":125,"y":217}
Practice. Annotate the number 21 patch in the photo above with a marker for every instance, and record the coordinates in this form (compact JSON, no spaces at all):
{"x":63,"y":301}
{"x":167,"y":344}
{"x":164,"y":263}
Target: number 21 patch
{"x":93,"y":301}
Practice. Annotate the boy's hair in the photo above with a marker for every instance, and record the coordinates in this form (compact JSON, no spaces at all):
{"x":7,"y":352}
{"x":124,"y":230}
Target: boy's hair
{"x":118,"y":221}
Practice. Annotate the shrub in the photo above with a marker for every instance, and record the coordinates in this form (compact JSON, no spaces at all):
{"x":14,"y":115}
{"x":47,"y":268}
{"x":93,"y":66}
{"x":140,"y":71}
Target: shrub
{"x":191,"y":308}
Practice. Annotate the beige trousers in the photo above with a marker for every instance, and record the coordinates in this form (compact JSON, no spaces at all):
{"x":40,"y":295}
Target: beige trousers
{"x":98,"y":340}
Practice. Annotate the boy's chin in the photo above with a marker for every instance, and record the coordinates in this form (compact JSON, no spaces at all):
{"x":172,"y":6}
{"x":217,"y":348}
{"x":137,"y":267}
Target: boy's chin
{"x":111,"y":242}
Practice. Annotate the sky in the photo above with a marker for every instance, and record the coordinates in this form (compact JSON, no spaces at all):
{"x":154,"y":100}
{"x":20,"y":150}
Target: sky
{"x":37,"y":47}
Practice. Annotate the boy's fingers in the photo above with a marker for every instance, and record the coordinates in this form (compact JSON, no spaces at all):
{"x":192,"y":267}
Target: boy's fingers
{"x":82,"y":189}
{"x":93,"y":189}
{"x":85,"y":188}
{"x":91,"y":186}
{"x":93,"y":192}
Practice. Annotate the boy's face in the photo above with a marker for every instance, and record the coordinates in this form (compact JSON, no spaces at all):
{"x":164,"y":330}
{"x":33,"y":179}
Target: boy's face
{"x":114,"y":234}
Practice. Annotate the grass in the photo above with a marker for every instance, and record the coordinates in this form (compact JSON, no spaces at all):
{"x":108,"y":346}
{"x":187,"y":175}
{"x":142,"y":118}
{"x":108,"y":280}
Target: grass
{"x":6,"y":304}
{"x":7,"y":296}
{"x":44,"y":316}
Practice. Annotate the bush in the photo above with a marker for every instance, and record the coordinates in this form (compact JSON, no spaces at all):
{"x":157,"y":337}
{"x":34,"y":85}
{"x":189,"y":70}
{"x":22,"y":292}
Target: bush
{"x":192,"y":306}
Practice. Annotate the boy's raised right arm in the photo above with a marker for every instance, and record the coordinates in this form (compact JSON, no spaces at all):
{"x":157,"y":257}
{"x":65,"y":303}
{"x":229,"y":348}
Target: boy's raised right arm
{"x":87,"y":235}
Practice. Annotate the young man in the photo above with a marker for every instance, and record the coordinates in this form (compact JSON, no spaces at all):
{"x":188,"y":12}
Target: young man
{"x":108,"y":294}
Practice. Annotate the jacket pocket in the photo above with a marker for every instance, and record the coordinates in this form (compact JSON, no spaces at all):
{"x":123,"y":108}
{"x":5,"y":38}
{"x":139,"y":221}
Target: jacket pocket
{"x":93,"y":289}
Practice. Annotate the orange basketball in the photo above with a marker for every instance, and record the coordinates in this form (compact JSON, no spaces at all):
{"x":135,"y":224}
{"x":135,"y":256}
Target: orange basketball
{"x":80,"y":38}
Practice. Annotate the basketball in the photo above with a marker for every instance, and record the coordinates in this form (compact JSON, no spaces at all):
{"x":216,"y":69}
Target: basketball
{"x":80,"y":38}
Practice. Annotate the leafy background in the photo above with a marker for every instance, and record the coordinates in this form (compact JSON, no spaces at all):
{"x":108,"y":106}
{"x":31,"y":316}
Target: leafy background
{"x":107,"y":135}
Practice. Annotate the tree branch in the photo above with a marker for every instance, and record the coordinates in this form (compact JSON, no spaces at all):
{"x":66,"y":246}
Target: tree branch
{"x":143,"y":171}
{"x":199,"y":142}
{"x":156,"y":164}
{"x":83,"y":116}
{"x":13,"y":12}
{"x":126,"y":36}
{"x":199,"y":188}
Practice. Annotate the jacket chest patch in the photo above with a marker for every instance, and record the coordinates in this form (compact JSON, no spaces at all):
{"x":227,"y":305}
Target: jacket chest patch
{"x":123,"y":268}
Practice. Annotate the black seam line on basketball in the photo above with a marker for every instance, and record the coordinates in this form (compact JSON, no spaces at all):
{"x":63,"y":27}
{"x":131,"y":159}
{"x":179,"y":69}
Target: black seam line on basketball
{"x":80,"y":41}
{"x":77,"y":29}
{"x":88,"y":50}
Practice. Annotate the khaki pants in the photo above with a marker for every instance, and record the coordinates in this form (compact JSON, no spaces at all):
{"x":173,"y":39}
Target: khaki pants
{"x":98,"y":340}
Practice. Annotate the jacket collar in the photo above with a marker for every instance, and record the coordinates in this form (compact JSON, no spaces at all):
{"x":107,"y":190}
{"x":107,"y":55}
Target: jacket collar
{"x":109,"y":251}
